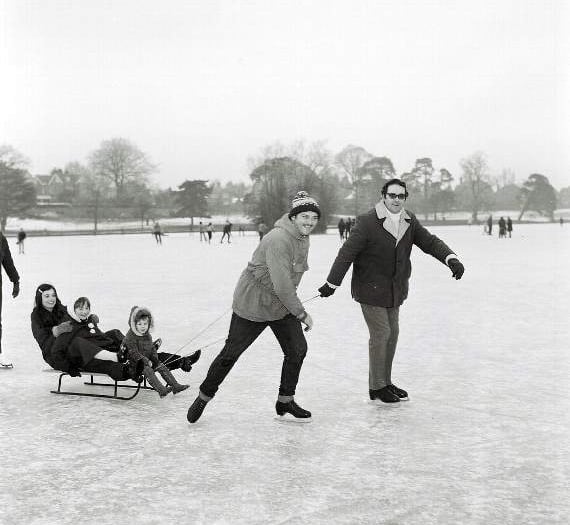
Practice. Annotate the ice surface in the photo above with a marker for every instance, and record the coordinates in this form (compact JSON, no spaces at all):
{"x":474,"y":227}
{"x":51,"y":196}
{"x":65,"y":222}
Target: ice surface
{"x":483,"y":440}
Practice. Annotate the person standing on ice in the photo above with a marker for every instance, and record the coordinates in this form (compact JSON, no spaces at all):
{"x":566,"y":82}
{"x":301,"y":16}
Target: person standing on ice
{"x":227,"y":232}
{"x":7,"y":262}
{"x":157,"y":232}
{"x":21,"y":238}
{"x":266,"y":295}
{"x":379,"y":249}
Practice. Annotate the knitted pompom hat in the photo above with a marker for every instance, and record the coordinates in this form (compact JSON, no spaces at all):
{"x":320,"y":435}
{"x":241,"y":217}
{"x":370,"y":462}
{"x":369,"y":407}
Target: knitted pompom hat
{"x":302,"y":202}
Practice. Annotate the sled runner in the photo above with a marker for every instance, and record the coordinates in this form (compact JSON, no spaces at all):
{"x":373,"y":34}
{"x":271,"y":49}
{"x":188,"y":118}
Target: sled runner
{"x":116,"y":385}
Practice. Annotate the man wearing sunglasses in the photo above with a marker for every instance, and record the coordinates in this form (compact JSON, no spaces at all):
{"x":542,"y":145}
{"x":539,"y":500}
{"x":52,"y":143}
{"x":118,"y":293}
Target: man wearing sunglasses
{"x":379,"y":248}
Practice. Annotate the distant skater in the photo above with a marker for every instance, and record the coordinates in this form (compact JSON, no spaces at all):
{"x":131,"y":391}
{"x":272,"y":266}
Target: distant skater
{"x":210,"y":232}
{"x":347,"y":227}
{"x":266,"y":295}
{"x":379,"y":249}
{"x":561,"y":221}
{"x":509,"y":226}
{"x":7,"y":263}
{"x":490,"y":225}
{"x":21,"y":238}
{"x":341,"y":227}
{"x":157,"y":232}
{"x":202,"y":232}
{"x":502,"y":228}
{"x":227,"y":232}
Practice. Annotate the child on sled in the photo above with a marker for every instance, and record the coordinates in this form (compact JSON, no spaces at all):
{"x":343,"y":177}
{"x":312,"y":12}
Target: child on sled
{"x":140,"y":347}
{"x":81,"y":340}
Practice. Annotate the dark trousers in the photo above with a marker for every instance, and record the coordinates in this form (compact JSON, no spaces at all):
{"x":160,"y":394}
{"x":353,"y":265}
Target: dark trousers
{"x":384,"y":328}
{"x":112,"y":369}
{"x":242,"y":334}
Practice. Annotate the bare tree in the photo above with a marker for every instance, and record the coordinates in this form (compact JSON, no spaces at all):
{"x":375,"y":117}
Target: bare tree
{"x":270,"y":151}
{"x":476,"y":178}
{"x":305,"y":166}
{"x":120,"y":161}
{"x":350,"y":160}
{"x":10,"y":157}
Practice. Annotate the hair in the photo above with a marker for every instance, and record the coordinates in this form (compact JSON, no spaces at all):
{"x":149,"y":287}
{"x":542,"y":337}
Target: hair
{"x":81,"y":301}
{"x":141,"y":314}
{"x":399,"y":182}
{"x":40,"y":290}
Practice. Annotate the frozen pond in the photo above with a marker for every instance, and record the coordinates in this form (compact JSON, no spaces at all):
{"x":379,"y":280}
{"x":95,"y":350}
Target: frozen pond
{"x":483,"y":440}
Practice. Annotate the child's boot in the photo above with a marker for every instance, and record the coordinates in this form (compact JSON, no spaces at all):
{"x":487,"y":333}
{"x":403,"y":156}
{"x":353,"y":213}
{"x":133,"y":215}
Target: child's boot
{"x":170,"y":379}
{"x":187,"y":362}
{"x":155,"y":383}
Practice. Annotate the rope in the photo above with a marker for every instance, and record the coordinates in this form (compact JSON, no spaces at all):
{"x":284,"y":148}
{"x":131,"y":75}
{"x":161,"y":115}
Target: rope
{"x":310,"y":299}
{"x":178,"y":358}
{"x":177,"y":351}
{"x":195,"y":337}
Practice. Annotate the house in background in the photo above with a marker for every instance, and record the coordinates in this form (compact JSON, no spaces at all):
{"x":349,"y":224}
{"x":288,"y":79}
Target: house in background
{"x":58,"y":186}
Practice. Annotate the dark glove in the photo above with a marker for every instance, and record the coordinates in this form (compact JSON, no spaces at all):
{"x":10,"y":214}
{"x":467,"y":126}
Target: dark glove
{"x":457,"y":268}
{"x":16,"y":289}
{"x":62,"y":328}
{"x":74,"y":372}
{"x":326,"y":291}
{"x":94,"y":318}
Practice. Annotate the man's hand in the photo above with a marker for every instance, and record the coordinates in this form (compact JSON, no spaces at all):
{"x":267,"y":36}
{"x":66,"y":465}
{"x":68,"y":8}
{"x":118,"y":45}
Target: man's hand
{"x":16,"y":289}
{"x":62,"y":328}
{"x":456,"y":267}
{"x":308,"y":322}
{"x":326,"y":291}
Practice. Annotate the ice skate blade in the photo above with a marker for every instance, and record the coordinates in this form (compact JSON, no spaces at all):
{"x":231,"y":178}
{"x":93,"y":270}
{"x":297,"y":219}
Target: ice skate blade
{"x":6,"y":367}
{"x":379,"y":402}
{"x":288,"y":418}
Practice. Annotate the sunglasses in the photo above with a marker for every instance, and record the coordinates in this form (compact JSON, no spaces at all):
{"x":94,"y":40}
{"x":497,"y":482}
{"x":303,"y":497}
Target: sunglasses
{"x":400,"y":196}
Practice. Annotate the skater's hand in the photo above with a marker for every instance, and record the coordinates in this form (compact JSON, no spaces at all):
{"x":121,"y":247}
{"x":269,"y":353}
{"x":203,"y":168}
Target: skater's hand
{"x":457,"y":269}
{"x":62,"y":328}
{"x":307,"y":321}
{"x":326,"y":291}
{"x":16,"y":289}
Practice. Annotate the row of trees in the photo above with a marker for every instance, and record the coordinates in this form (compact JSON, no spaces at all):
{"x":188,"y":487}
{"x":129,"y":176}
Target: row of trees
{"x":354,"y":176}
{"x":118,"y":176}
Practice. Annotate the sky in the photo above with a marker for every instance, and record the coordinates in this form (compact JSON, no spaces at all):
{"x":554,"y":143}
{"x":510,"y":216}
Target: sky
{"x":200,"y":86}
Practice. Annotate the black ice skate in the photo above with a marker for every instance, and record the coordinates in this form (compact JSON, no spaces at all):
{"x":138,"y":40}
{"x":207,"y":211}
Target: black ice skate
{"x":401,"y":393}
{"x":292,"y":412}
{"x":384,"y":394}
{"x":4,"y":363}
{"x":196,"y":409}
